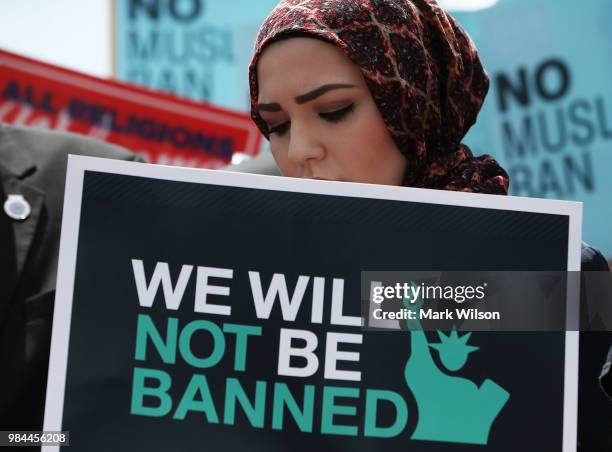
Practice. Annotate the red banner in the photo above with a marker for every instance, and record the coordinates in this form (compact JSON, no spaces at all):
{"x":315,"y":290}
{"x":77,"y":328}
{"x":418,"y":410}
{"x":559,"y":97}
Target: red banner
{"x":163,"y":128}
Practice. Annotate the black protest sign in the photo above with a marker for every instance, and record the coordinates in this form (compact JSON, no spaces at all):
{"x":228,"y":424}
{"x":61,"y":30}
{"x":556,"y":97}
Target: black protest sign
{"x":209,"y":310}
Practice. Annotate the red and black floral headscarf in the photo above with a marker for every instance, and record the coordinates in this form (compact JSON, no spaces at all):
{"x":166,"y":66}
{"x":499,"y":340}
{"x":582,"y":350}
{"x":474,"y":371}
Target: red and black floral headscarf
{"x":422,"y":70}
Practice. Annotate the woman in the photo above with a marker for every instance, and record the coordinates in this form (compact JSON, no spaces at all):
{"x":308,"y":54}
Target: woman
{"x":383,"y":94}
{"x":374,"y":91}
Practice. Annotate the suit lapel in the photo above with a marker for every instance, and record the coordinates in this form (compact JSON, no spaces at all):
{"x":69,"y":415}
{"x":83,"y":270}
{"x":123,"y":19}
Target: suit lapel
{"x":16,"y":236}
{"x":24,"y":230}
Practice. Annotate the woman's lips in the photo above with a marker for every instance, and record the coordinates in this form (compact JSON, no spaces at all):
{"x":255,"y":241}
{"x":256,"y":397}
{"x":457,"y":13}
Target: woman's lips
{"x":334,"y":179}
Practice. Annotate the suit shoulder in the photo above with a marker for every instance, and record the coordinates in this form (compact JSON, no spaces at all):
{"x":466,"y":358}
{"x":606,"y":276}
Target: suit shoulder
{"x":592,"y":259}
{"x":46,"y":144}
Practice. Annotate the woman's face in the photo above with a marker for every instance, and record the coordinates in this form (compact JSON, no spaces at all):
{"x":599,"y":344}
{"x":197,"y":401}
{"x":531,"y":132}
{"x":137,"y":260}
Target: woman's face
{"x":322,"y":120}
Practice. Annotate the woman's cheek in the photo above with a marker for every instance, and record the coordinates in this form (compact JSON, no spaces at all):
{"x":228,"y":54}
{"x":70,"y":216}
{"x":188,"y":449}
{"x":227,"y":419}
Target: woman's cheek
{"x":280,"y":157}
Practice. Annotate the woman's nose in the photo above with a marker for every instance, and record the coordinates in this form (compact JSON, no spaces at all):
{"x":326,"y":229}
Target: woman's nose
{"x":304,"y":145}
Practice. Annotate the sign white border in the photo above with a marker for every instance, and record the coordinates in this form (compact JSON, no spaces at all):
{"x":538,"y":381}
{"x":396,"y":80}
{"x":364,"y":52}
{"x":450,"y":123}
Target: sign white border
{"x":77,"y":165}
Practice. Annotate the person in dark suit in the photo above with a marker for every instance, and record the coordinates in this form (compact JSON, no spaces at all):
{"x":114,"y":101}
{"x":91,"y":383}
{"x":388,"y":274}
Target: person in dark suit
{"x":594,"y":409}
{"x":32,"y":176}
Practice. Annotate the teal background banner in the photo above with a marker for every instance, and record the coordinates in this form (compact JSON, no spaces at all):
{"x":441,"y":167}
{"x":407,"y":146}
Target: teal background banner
{"x":548,"y":115}
{"x":194,"y":48}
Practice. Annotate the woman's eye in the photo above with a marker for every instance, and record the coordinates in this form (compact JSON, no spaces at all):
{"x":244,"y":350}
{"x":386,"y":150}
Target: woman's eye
{"x":337,"y":115}
{"x":279,"y":129}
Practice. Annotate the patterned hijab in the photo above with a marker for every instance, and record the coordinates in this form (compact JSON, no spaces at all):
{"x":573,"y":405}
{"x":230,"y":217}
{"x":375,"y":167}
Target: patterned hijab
{"x":422,"y":70}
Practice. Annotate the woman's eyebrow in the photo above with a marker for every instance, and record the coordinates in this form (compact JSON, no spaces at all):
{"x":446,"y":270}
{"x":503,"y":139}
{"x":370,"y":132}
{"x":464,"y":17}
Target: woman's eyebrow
{"x":310,"y":95}
{"x":303,"y":98}
{"x":273,"y":107}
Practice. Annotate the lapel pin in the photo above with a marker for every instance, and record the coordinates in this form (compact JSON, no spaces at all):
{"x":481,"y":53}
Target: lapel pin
{"x":17,"y":208}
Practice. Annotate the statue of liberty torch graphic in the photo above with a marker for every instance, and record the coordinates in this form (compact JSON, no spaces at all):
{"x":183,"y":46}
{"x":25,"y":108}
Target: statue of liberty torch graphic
{"x":451,"y":408}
